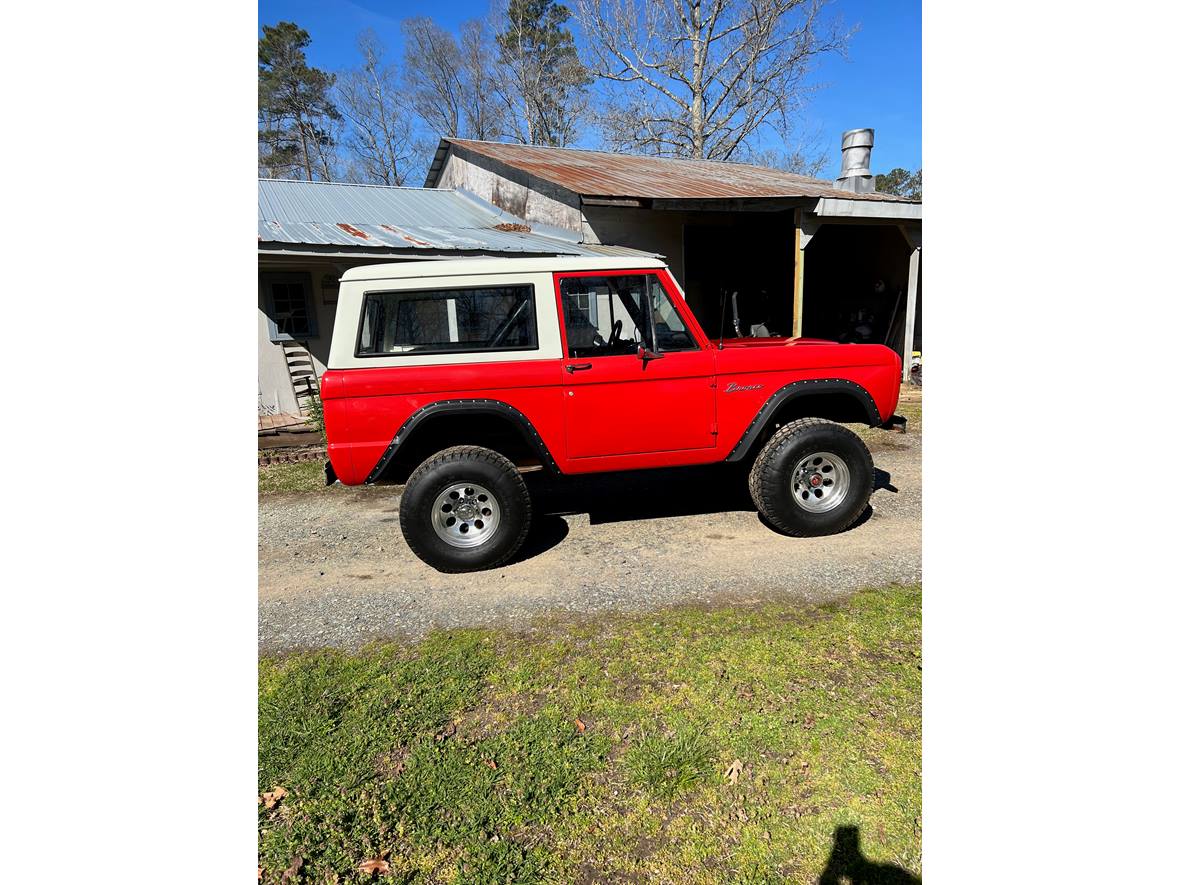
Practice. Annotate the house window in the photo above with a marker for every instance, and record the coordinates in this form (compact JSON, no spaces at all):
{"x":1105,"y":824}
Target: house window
{"x":489,"y":318}
{"x":289,"y":310}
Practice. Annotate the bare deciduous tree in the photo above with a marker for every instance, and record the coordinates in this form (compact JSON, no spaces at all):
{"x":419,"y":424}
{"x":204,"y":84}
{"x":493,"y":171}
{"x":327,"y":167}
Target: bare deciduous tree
{"x":480,"y":99}
{"x":702,"y":78}
{"x":454,"y":87}
{"x":380,"y":134}
{"x":805,"y":156}
{"x":433,"y":74}
{"x":542,"y":80}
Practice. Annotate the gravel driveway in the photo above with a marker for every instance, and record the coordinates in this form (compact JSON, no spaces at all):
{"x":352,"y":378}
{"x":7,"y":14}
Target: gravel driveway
{"x":334,"y":570}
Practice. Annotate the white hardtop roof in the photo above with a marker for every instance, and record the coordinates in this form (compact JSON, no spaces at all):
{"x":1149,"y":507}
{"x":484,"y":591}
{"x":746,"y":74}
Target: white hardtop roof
{"x":478,"y":266}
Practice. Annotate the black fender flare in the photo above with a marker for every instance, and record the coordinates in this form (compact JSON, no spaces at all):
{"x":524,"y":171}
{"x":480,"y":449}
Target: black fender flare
{"x":797,"y":389}
{"x":466,"y":407}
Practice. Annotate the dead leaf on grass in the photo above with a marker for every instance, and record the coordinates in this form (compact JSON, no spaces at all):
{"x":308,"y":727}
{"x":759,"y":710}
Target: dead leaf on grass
{"x":447,"y":732}
{"x":734,"y":771}
{"x":579,"y":725}
{"x":291,"y":873}
{"x":272,"y":798}
{"x":392,"y":766}
{"x":490,"y":763}
{"x":376,"y":865}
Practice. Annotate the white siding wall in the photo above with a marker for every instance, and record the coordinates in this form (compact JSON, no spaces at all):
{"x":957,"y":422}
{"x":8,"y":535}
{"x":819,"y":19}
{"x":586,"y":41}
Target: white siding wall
{"x":651,"y":230}
{"x":512,"y":190}
{"x":274,"y":382}
{"x":274,"y":385}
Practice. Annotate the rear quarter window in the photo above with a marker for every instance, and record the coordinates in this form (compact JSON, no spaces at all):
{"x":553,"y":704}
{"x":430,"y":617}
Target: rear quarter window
{"x":458,"y":320}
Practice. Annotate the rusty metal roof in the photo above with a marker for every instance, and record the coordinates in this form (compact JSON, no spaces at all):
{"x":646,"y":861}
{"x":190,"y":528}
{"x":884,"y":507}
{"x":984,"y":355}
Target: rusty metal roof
{"x":602,"y":174}
{"x":319,"y":213}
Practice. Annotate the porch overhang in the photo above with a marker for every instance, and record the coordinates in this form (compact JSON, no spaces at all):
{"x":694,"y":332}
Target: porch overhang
{"x":829,"y":207}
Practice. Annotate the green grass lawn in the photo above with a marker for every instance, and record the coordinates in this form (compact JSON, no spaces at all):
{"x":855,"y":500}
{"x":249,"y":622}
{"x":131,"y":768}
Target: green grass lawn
{"x":685,"y":746}
{"x":909,"y":407}
{"x":304,"y":476}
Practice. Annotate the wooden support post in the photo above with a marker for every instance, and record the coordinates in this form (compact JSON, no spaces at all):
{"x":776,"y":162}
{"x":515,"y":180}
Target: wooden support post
{"x":911,"y":312}
{"x":797,"y":314}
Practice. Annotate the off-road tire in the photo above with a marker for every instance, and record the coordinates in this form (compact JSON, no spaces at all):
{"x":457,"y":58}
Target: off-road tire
{"x":772,"y":474}
{"x":457,"y":465}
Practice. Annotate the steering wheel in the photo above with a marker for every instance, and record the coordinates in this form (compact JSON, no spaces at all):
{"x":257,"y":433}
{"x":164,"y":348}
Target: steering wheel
{"x":616,"y":332}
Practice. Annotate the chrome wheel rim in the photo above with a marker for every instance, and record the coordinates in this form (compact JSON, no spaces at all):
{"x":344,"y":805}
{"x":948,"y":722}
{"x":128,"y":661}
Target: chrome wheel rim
{"x":820,"y":482}
{"x":465,"y":514}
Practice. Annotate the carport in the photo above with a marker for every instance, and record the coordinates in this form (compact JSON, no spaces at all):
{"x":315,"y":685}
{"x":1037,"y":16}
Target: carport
{"x":795,"y":255}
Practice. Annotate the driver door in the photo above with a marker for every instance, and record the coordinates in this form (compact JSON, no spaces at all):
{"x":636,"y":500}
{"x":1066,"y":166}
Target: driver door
{"x":617,"y":403}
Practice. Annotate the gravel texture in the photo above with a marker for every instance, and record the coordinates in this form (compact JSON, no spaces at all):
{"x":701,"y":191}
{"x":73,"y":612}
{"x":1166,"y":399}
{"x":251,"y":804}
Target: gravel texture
{"x":334,"y":570}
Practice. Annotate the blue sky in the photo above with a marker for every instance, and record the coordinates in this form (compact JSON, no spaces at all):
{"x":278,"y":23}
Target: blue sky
{"x":879,"y":85}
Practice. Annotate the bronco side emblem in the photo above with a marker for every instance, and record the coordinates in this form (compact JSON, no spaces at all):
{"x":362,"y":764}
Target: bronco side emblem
{"x":733,"y":386}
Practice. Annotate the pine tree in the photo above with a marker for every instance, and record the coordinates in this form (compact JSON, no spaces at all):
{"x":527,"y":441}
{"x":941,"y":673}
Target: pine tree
{"x":295,"y":114}
{"x":901,"y":182}
{"x":547,"y":80}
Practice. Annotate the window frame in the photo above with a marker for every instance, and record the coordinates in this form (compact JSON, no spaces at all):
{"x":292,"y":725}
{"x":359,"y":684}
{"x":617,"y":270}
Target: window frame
{"x":269,"y":279}
{"x":650,"y":310}
{"x":671,"y":290}
{"x":437,"y":351}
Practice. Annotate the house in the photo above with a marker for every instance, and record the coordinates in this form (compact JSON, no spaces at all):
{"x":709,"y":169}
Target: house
{"x":756,"y":248}
{"x":309,"y":233}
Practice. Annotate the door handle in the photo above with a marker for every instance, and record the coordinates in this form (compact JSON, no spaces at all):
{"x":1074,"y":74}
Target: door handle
{"x":578,"y":367}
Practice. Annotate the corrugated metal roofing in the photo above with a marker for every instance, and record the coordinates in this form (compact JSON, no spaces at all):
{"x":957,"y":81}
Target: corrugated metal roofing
{"x":601,"y":174}
{"x":358,"y":215}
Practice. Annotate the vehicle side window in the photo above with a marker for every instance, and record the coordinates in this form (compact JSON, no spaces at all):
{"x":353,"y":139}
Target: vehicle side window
{"x":671,"y":333}
{"x":613,"y":315}
{"x":481,"y":319}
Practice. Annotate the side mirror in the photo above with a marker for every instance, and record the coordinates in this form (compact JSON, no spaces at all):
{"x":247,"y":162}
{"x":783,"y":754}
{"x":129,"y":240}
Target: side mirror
{"x":647,"y":355}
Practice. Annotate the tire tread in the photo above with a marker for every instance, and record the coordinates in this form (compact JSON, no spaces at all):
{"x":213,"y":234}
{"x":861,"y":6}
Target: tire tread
{"x":458,"y":454}
{"x":761,"y":482}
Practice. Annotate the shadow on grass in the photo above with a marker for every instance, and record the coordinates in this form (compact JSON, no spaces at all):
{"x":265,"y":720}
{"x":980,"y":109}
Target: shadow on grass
{"x":848,"y":866}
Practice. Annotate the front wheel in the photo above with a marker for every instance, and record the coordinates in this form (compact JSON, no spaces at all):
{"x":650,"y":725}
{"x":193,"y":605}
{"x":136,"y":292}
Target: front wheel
{"x":812,"y":477}
{"x":465,"y":509}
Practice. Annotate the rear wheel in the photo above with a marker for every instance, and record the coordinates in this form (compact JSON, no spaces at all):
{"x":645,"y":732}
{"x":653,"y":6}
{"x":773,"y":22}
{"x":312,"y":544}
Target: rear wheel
{"x":465,"y":509}
{"x":813,"y":477}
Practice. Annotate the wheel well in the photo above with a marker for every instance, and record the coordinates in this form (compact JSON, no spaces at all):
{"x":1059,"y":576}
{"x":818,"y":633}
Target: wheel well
{"x":468,"y":428}
{"x":843,"y":408}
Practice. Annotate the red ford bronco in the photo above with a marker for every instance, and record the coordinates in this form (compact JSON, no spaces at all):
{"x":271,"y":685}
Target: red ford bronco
{"x":453,"y":376}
